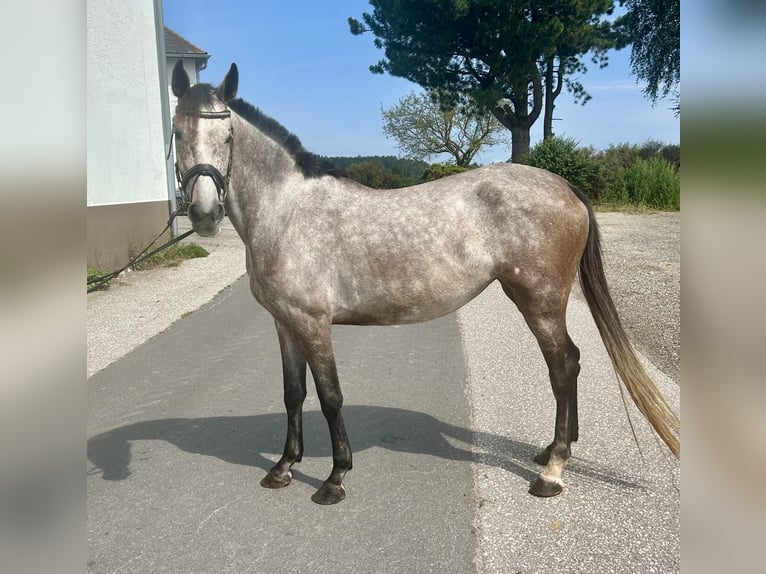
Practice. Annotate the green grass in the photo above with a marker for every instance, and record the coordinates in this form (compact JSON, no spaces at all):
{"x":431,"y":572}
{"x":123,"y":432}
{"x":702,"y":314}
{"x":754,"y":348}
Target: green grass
{"x":631,"y":208}
{"x":173,"y":256}
{"x":655,"y":183}
{"x":94,"y":274}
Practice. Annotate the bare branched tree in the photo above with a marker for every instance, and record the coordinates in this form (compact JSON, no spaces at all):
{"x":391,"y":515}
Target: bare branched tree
{"x":424,"y":126}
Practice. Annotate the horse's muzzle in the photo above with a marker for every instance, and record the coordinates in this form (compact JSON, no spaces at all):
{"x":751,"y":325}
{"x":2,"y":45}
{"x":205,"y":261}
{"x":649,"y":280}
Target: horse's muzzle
{"x":206,"y":223}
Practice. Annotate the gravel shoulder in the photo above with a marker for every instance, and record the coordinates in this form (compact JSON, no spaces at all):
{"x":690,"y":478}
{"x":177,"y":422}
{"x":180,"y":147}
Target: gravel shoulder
{"x":642,"y":258}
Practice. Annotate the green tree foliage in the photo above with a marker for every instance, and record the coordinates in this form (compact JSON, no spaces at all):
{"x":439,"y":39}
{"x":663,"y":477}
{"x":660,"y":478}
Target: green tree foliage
{"x":490,"y":51}
{"x":372,"y":174}
{"x":563,"y":156}
{"x":653,"y":30}
{"x":404,"y":171}
{"x":423,"y":127}
{"x":583,"y":32}
{"x":438,"y":171}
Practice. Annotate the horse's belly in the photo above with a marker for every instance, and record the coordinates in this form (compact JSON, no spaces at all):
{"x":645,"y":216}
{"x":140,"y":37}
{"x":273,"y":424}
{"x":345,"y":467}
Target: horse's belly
{"x":414,"y":302}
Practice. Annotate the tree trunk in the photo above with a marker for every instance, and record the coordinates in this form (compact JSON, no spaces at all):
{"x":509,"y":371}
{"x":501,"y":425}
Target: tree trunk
{"x":519,"y":133}
{"x":551,"y":93}
{"x":549,"y":97}
{"x":520,"y":144}
{"x":517,"y":118}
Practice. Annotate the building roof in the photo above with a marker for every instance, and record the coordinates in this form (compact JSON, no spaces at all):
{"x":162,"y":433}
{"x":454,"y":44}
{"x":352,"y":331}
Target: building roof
{"x":176,"y":45}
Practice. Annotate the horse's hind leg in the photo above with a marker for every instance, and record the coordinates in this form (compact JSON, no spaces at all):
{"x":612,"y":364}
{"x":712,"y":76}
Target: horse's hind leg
{"x":294,"y":378}
{"x":562,"y":358}
{"x":547,"y":320}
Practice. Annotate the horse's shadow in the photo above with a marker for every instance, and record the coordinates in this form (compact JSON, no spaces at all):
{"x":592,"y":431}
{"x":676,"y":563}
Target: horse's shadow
{"x":242,"y":439}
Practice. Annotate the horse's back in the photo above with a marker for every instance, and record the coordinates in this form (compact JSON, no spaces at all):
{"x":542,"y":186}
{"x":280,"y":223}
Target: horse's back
{"x":522,"y":212}
{"x":505,"y":192}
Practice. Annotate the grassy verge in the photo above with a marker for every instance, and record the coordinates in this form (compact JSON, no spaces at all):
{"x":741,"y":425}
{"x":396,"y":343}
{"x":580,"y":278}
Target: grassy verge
{"x":173,"y":256}
{"x":95,"y":274}
{"x":631,"y":208}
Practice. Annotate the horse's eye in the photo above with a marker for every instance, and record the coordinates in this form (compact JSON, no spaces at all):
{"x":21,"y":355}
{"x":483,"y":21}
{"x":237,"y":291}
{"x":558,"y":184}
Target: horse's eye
{"x":228,"y":139}
{"x":177,"y":135}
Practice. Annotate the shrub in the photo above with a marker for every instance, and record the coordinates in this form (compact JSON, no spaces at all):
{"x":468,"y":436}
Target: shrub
{"x":653,"y":182}
{"x":620,"y":155}
{"x":614,"y":161}
{"x":650,"y":149}
{"x":645,"y":174}
{"x":438,"y":171}
{"x":672,"y":153}
{"x":669,"y":152}
{"x":562,"y":156}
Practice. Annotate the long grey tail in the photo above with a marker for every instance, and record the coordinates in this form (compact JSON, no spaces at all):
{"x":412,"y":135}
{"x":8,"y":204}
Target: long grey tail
{"x":641,"y":388}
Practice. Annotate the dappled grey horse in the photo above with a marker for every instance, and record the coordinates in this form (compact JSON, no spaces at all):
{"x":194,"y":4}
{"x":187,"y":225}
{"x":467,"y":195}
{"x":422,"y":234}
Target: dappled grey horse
{"x":324,"y":250}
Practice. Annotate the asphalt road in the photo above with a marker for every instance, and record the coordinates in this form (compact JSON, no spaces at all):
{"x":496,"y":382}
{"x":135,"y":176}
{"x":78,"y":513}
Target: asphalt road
{"x":443,"y":417}
{"x":183,"y":429}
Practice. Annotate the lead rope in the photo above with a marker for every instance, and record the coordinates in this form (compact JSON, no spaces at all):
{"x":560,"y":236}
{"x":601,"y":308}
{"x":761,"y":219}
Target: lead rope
{"x":170,"y":146}
{"x":96,"y":282}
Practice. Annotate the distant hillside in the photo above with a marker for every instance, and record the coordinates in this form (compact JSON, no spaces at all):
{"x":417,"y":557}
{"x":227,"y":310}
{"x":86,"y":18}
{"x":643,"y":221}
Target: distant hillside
{"x":407,"y":169}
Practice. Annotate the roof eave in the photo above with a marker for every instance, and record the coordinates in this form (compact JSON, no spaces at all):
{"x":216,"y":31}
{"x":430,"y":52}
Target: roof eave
{"x":201,"y":58}
{"x":204,"y":56}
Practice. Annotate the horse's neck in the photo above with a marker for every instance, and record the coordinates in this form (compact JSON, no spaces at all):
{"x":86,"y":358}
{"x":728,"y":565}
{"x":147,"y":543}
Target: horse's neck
{"x":261,"y":172}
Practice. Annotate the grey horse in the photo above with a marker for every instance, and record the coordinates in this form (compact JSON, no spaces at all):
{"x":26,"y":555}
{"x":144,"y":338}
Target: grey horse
{"x":323,"y":250}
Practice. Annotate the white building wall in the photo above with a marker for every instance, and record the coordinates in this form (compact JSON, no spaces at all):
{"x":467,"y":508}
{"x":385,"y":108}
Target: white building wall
{"x":125,"y":149}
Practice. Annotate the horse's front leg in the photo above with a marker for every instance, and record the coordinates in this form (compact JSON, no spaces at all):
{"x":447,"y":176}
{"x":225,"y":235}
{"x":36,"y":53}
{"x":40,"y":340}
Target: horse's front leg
{"x":294,"y":376}
{"x":317,"y":342}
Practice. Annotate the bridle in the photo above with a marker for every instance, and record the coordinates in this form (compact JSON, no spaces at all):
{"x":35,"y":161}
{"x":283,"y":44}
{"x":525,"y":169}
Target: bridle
{"x":221,"y":182}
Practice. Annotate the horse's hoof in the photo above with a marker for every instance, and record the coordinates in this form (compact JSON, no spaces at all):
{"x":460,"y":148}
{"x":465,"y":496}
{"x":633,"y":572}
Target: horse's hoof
{"x":543,"y":457}
{"x":329,"y":494}
{"x":545,"y":488}
{"x":273,"y":481}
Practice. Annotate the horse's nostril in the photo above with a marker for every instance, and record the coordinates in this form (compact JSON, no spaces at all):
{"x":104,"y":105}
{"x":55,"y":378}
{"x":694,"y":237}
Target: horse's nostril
{"x":195,"y":212}
{"x":219,"y":212}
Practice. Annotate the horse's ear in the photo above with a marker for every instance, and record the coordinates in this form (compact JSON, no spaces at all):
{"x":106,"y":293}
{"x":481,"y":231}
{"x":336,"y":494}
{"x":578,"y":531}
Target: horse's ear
{"x":227,"y":91}
{"x":180,"y":81}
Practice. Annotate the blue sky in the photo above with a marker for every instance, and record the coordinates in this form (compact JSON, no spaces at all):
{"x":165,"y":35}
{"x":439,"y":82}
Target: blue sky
{"x":299,"y":63}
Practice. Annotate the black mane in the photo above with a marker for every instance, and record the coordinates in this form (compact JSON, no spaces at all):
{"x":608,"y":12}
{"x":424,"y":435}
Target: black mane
{"x":311,"y":165}
{"x":201,"y":96}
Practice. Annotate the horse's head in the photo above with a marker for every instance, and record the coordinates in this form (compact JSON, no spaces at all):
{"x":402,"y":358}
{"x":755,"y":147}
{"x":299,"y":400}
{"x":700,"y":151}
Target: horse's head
{"x":203,"y":135}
